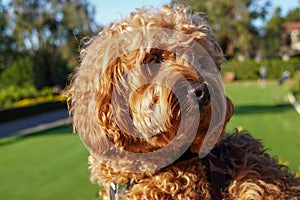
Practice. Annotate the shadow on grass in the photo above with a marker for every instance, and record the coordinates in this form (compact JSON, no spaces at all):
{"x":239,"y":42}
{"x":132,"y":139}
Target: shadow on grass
{"x":261,"y":109}
{"x":66,"y":129}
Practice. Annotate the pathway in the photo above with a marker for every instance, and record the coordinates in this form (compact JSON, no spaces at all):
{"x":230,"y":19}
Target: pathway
{"x":35,"y":123}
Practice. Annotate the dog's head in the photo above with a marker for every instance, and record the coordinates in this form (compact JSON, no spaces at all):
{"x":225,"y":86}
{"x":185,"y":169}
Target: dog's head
{"x":150,"y":85}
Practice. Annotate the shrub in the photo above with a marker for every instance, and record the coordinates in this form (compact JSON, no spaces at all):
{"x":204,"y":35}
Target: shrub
{"x":40,"y":99}
{"x":249,"y":69}
{"x":18,"y":74}
{"x":295,"y":88}
{"x":12,"y":94}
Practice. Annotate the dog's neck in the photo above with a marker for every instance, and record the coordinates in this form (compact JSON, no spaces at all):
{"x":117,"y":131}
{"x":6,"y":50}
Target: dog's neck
{"x":217,"y":172}
{"x":217,"y":169}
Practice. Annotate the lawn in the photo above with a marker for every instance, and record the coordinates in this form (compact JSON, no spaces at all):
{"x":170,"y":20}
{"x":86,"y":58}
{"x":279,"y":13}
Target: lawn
{"x":45,"y":166}
{"x":266,"y":113}
{"x":53,"y":164}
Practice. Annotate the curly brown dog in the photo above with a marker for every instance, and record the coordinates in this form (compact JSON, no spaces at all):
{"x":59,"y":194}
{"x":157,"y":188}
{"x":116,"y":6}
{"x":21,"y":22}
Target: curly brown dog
{"x":148,"y":102}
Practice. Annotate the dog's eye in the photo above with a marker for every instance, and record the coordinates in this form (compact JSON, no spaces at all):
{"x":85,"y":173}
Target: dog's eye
{"x":153,"y":58}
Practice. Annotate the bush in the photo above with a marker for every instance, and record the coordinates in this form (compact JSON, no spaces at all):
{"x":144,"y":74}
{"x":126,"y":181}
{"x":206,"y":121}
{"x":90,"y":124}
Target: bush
{"x":295,"y":88}
{"x":49,"y":69}
{"x":12,"y":94}
{"x":249,"y":70}
{"x":19,"y":74}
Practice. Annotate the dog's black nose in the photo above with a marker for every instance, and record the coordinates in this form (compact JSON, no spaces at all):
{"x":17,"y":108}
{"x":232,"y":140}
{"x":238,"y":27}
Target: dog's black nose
{"x":201,"y":91}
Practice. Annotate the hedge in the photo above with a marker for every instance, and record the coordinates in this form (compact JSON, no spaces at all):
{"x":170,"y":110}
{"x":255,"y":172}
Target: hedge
{"x":295,"y":88}
{"x":249,"y":69}
{"x":19,"y":74}
{"x":12,"y":94}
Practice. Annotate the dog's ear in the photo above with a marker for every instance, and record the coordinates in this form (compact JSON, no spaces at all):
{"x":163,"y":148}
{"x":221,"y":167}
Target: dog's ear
{"x":229,"y":110}
{"x":90,"y":91}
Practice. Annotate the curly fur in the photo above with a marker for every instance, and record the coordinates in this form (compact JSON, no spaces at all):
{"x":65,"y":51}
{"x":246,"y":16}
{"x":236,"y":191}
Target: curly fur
{"x":155,"y":113}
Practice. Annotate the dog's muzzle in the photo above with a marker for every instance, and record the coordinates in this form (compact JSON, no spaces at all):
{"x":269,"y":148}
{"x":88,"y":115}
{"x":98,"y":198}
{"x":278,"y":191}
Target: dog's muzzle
{"x":201,"y":91}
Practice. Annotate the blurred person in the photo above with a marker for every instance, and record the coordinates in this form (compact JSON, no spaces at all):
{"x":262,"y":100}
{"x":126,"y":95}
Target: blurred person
{"x":262,"y":75}
{"x":284,"y":76}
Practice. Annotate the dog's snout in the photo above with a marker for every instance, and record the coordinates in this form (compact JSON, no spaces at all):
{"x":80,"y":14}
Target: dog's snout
{"x":201,"y":91}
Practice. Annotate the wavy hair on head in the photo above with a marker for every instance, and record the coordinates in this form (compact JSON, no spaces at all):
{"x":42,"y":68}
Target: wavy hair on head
{"x":93,"y":83}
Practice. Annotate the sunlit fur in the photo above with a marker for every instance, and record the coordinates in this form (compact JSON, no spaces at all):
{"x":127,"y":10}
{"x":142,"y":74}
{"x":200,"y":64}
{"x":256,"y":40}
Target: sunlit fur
{"x":155,"y":113}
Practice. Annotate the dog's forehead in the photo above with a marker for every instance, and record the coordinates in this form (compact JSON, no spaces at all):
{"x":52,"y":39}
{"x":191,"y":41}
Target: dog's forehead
{"x":154,"y":40}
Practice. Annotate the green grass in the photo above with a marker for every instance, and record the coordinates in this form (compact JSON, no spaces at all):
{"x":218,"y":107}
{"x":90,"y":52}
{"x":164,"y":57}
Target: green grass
{"x":48,"y":165}
{"x":266,"y":113}
{"x":53,"y":164}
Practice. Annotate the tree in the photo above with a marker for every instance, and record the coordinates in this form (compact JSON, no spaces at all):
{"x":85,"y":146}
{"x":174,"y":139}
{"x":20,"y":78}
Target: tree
{"x":271,"y":39}
{"x":19,"y":74}
{"x":293,"y":15}
{"x":50,"y":31}
{"x":6,"y":40}
{"x":232,"y":21}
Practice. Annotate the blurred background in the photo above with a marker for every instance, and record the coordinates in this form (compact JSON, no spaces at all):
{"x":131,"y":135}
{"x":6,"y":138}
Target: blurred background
{"x":40,"y":41}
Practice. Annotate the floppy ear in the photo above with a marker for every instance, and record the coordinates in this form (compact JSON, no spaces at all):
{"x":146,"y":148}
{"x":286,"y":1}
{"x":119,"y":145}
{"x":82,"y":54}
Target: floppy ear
{"x":229,"y":110}
{"x":85,"y":93}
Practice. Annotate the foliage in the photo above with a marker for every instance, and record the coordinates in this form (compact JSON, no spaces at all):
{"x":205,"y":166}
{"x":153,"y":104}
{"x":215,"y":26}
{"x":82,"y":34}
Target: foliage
{"x":296,"y":82}
{"x":293,"y":15}
{"x":49,"y":23}
{"x":232,"y":21}
{"x":27,"y":71}
{"x":249,"y":69}
{"x":56,"y":72}
{"x":295,"y":88}
{"x":12,"y":94}
{"x":20,"y":74}
{"x":272,"y":30}
{"x":39,"y":46}
{"x":49,"y":32}
{"x":40,"y":99}
{"x":6,"y":41}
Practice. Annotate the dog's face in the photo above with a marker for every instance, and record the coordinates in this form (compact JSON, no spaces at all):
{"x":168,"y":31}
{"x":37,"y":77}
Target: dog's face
{"x":150,"y":80}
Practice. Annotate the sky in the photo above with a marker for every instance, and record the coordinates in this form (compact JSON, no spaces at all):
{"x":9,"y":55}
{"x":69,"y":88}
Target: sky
{"x":108,"y":11}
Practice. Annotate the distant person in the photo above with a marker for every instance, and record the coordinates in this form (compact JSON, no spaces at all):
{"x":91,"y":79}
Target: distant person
{"x":262,"y":75}
{"x":284,"y":76}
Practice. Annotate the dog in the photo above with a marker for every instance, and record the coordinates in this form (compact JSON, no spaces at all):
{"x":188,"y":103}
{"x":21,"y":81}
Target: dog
{"x":147,"y":101}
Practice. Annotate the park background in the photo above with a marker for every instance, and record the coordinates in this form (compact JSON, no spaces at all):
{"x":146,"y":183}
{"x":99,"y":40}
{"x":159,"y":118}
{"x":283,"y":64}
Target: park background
{"x":39,"y":49}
